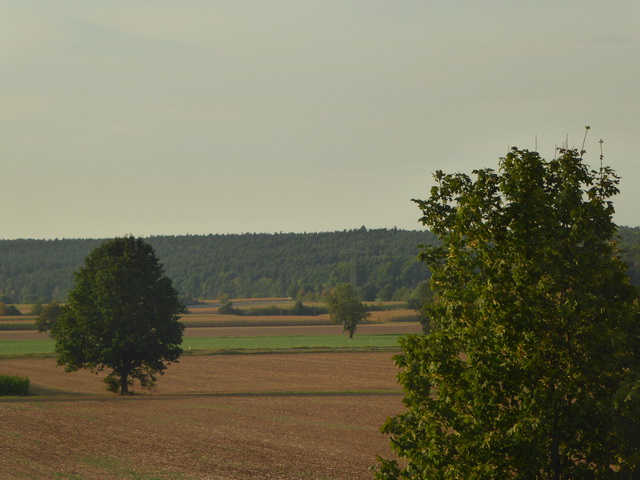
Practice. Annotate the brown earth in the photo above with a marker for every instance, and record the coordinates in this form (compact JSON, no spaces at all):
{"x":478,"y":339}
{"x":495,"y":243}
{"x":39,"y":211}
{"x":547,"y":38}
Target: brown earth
{"x":273,"y":416}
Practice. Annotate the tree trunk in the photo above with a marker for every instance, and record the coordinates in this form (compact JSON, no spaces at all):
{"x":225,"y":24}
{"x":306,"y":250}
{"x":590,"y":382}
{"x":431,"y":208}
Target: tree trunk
{"x":124,"y":383}
{"x":554,"y":449}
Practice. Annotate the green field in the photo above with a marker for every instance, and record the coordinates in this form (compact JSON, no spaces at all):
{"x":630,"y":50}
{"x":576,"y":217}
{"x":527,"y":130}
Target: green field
{"x":290,"y":342}
{"x":235,"y":344}
{"x":26,"y":347}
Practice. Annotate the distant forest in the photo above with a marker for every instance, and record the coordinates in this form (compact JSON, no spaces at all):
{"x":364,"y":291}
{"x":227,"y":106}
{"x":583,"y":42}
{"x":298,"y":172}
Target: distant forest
{"x":381,"y":263}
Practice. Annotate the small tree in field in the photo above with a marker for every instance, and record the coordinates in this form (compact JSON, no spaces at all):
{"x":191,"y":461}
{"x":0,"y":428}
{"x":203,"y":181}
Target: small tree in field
{"x":531,"y":369}
{"x":123,"y":314}
{"x":345,"y":308}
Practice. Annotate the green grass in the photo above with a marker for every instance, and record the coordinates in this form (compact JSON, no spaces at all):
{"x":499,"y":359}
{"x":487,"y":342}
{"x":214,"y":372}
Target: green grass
{"x":233,"y":344}
{"x":290,"y":342}
{"x":26,"y":347}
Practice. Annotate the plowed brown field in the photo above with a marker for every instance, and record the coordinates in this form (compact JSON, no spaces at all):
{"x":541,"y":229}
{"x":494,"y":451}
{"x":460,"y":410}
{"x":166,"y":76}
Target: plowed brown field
{"x":274,"y":416}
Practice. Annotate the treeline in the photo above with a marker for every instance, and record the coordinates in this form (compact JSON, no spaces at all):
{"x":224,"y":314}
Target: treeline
{"x":303,"y":266}
{"x":630,"y":243}
{"x":382,"y":263}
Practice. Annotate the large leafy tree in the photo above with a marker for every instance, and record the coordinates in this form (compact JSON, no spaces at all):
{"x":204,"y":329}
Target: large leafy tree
{"x":531,"y":368}
{"x":345,"y":308}
{"x":122,"y":314}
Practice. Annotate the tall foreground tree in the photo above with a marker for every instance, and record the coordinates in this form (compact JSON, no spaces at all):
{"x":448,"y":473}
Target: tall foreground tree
{"x":531,"y":369}
{"x":122,"y":314}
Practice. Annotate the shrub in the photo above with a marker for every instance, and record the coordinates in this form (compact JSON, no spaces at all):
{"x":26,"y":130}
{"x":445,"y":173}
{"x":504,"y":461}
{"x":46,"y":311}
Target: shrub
{"x":8,"y":310}
{"x":12,"y":385}
{"x":227,"y":308}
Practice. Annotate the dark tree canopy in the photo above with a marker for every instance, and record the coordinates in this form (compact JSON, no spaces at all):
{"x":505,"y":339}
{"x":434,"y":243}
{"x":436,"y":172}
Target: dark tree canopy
{"x":531,"y":369}
{"x":8,"y":310}
{"x":345,"y":308}
{"x":47,"y":316}
{"x":298,"y":265}
{"x":122,"y":314}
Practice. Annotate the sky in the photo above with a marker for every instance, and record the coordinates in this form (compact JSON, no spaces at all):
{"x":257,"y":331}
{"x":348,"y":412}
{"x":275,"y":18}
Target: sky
{"x":157,"y":117}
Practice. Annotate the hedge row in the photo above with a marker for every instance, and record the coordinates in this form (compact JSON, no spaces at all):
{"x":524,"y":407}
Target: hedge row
{"x":18,"y":326}
{"x":12,"y":385}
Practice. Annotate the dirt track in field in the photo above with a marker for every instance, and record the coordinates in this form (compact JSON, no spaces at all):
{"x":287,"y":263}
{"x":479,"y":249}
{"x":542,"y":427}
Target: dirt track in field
{"x":275,"y":416}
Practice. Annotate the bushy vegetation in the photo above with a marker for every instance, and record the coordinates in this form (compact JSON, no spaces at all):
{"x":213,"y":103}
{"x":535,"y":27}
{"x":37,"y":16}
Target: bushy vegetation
{"x":345,"y":308}
{"x":123,"y":314}
{"x":8,"y":310}
{"x":298,"y":309}
{"x":47,"y":316}
{"x":12,"y":385}
{"x":530,"y":368}
{"x":302,"y":266}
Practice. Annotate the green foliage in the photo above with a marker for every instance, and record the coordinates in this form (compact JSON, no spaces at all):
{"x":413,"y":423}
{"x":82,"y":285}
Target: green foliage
{"x":303,"y":266}
{"x":531,"y":367}
{"x":227,"y":308}
{"x":37,"y":307}
{"x":345,"y":308}
{"x":39,"y":268}
{"x":123,"y":314}
{"x":421,"y":300}
{"x":387,"y":341}
{"x":48,"y":316}
{"x":12,"y":385}
{"x":299,"y":309}
{"x":299,"y":265}
{"x":8,"y":310}
{"x":630,"y":254}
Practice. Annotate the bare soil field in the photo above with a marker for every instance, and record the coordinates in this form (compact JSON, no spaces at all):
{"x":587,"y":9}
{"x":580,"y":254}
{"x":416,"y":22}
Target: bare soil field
{"x":313,"y":416}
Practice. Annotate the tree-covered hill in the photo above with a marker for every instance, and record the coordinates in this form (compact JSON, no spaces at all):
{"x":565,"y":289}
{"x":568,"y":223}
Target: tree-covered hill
{"x":301,"y":265}
{"x":382,"y":263}
{"x":630,"y":242}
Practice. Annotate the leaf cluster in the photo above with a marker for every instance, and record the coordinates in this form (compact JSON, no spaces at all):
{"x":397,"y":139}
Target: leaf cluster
{"x":531,"y":366}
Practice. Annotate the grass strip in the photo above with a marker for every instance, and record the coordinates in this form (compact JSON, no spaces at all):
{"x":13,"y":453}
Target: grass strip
{"x":292,"y":342}
{"x":26,"y":347}
{"x":261,"y":344}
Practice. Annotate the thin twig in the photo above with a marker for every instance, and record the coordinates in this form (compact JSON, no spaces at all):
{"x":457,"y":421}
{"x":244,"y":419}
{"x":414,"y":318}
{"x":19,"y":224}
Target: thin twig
{"x":586,"y":130}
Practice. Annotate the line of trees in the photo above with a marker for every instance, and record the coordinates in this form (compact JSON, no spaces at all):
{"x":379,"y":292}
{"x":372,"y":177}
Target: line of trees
{"x":382,"y":263}
{"x":305,"y":266}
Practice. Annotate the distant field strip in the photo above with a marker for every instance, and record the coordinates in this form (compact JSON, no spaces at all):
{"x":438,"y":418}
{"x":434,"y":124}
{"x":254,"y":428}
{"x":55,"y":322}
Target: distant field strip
{"x":26,"y":347}
{"x":18,"y":323}
{"x":290,"y":342}
{"x":247,"y":321}
{"x":219,"y":320}
{"x":207,"y":317}
{"x":235,"y":344}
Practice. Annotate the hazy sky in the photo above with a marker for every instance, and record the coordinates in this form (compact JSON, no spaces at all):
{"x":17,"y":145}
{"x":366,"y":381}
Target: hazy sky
{"x":155,"y":117}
